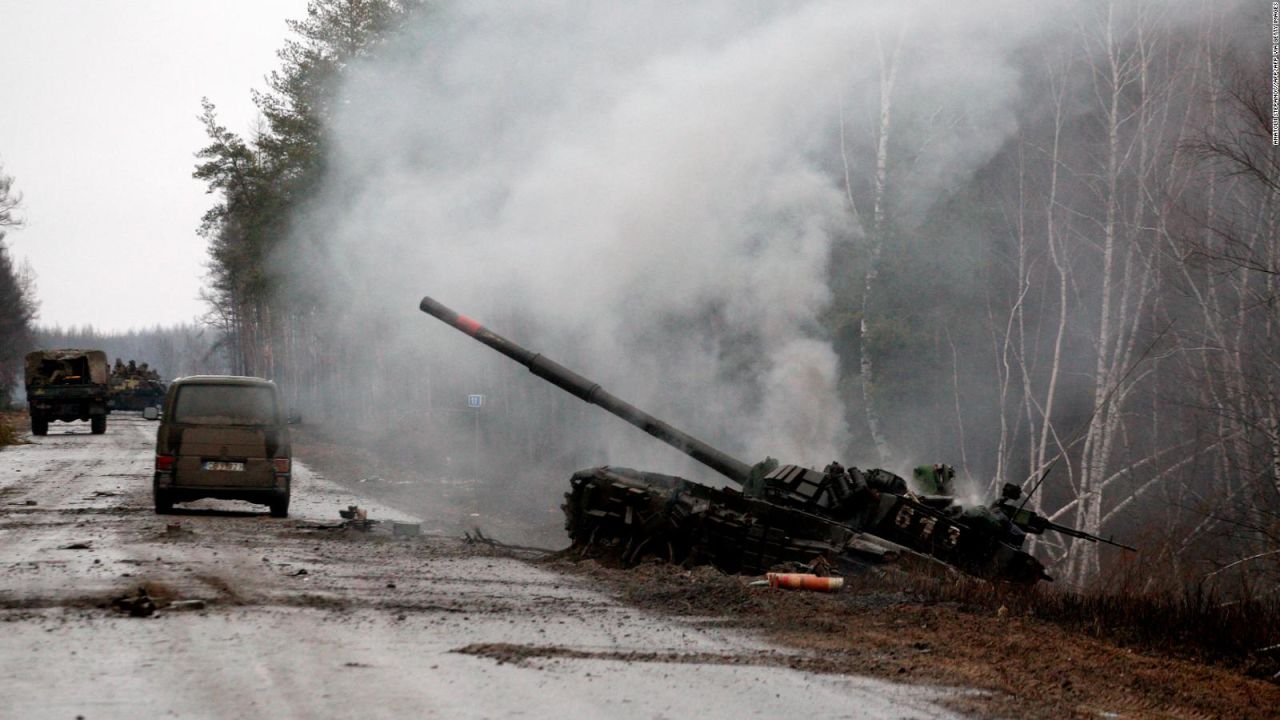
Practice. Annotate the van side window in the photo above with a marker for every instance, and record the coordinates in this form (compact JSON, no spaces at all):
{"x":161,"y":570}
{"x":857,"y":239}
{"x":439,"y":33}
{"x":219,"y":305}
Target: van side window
{"x":225,"y":405}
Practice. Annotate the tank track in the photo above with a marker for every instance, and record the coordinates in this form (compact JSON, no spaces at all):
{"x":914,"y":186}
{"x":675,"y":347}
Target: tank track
{"x":640,"y":514}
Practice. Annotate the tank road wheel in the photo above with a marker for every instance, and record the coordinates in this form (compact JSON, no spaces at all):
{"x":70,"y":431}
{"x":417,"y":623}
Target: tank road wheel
{"x":164,"y":502}
{"x":39,"y":425}
{"x":280,"y":506}
{"x":98,"y":423}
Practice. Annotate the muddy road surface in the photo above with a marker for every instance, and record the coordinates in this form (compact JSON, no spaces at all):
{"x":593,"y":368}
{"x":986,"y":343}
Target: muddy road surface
{"x":299,"y":617}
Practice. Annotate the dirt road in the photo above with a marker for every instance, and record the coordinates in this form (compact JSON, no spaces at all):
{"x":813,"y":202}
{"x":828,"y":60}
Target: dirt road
{"x":302,"y":619}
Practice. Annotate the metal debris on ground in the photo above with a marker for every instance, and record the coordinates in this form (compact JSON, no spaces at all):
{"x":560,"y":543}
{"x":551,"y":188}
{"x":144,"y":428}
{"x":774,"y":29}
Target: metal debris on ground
{"x":139,"y":604}
{"x":405,"y":529}
{"x":818,"y":566}
{"x":357,"y":518}
{"x":194,"y":604}
{"x":479,"y":538}
{"x":176,"y":529}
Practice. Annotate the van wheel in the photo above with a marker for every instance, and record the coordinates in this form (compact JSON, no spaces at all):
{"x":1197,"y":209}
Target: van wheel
{"x":164,"y":503}
{"x":39,"y":426}
{"x":98,"y":423}
{"x":280,"y":507}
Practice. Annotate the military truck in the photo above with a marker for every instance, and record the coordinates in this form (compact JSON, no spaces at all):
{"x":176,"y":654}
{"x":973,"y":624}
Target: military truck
{"x":67,"y":385}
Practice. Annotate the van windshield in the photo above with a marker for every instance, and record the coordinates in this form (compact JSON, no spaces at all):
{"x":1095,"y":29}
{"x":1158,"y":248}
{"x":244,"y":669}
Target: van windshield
{"x":225,"y":405}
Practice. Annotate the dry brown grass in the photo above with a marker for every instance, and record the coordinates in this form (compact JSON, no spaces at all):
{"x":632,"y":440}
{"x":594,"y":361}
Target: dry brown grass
{"x":12,"y":423}
{"x":1196,"y":623}
{"x":1043,"y":653}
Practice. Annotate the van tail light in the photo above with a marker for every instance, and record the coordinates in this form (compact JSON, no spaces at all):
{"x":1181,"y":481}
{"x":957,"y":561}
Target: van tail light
{"x":282,"y":465}
{"x":164,"y":462}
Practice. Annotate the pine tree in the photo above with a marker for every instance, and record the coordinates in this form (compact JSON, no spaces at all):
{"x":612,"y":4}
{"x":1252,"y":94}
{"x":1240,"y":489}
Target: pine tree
{"x":17,"y":296}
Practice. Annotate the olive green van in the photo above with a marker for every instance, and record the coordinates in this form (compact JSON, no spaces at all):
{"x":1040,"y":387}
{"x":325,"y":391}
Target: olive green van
{"x":226,"y":437}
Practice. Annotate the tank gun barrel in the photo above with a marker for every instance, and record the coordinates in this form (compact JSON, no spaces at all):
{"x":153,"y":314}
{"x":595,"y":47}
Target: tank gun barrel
{"x":590,"y":391}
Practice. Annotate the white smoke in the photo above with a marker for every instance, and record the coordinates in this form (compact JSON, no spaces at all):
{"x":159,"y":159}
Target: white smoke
{"x":655,"y":182}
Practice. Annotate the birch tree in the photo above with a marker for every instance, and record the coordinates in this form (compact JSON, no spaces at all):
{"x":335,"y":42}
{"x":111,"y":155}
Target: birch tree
{"x":874,"y":235}
{"x":1229,"y":264}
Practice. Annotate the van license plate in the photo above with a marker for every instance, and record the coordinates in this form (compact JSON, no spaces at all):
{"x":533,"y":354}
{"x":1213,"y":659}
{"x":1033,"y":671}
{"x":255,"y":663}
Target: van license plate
{"x":218,"y":465}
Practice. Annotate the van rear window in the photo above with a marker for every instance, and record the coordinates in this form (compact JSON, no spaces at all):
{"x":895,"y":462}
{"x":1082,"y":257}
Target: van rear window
{"x":225,"y":405}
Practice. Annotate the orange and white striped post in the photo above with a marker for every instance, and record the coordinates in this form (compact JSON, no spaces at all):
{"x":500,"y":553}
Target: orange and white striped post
{"x":804,"y":581}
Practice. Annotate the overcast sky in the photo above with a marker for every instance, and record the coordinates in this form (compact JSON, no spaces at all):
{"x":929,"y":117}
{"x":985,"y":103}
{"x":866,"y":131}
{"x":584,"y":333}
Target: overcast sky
{"x":98,"y":106}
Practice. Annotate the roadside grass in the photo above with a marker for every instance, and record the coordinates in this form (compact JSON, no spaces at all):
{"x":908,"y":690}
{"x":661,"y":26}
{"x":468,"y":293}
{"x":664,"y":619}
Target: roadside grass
{"x":1237,"y":630}
{"x":1196,"y":622}
{"x":11,"y":423}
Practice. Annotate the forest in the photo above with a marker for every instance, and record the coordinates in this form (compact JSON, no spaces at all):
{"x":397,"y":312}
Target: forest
{"x":1041,"y":249}
{"x":18,"y":304}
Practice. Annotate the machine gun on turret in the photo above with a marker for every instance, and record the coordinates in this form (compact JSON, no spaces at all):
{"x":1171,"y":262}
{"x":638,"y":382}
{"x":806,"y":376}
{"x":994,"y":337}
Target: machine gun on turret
{"x":1032,"y":523}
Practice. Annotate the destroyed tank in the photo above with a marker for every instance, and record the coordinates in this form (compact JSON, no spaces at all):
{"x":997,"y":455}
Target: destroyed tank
{"x":779,"y":513}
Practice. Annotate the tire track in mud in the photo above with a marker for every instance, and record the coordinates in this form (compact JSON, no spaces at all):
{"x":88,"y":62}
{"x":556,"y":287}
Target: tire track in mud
{"x":516,"y":653}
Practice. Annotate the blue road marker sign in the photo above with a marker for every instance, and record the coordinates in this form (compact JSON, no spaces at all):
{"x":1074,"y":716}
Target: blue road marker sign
{"x":475,"y":401}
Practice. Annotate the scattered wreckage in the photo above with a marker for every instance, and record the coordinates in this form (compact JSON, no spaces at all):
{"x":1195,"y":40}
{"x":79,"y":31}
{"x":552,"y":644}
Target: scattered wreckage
{"x":783,"y":514}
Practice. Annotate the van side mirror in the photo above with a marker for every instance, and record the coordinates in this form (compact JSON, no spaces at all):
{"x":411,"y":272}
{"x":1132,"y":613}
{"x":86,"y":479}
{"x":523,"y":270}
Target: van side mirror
{"x":151,"y":412}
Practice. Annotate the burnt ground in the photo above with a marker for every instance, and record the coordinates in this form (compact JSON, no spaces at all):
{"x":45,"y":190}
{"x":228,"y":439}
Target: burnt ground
{"x":880,"y":626}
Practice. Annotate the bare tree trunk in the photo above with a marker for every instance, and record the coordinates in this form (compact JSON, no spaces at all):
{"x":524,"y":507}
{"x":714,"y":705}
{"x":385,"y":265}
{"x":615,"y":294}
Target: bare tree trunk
{"x":1082,"y":560}
{"x":875,"y":246}
{"x":1124,"y":281}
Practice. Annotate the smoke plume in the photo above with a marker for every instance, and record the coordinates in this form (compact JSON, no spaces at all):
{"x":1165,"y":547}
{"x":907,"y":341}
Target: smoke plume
{"x":654,"y":187}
